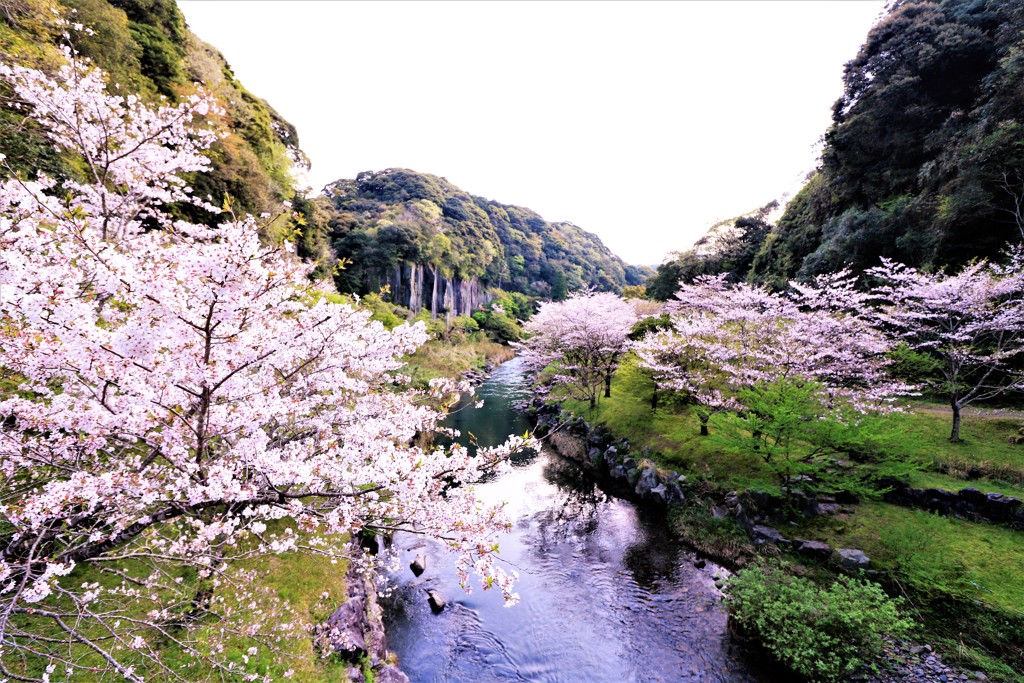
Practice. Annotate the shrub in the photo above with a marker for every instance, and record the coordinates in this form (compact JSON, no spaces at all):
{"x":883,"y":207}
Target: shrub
{"x":503,"y":327}
{"x":821,"y":633}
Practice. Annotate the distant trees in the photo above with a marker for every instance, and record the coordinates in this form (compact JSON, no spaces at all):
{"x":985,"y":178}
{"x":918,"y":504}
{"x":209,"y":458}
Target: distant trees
{"x":583,"y":339}
{"x":972,"y":323}
{"x":461,"y":236}
{"x":728,"y":247}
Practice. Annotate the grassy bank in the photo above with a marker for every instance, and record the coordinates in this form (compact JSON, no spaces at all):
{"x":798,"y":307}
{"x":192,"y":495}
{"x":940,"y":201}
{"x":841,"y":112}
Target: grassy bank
{"x":438,"y":358}
{"x":964,"y":580}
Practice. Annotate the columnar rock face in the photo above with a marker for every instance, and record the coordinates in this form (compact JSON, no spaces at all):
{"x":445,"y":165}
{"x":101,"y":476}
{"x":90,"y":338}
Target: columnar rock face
{"x":418,"y":287}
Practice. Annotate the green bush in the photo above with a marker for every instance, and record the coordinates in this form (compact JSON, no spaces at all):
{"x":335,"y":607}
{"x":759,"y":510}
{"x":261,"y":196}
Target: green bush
{"x":503,"y":327}
{"x":821,"y":633}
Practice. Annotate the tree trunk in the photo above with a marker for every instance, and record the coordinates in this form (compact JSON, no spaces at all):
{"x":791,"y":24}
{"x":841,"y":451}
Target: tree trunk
{"x":608,"y":385}
{"x":593,"y":400}
{"x":654,"y":400}
{"x":704,"y":424}
{"x":954,"y":435}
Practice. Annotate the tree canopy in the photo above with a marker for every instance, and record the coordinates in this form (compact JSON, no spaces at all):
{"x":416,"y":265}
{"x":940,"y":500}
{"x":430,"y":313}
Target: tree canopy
{"x":383,"y":219}
{"x":923,"y":161}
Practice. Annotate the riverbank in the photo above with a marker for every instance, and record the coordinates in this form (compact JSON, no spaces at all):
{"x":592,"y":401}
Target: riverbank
{"x":931,"y":561}
{"x":608,"y":595}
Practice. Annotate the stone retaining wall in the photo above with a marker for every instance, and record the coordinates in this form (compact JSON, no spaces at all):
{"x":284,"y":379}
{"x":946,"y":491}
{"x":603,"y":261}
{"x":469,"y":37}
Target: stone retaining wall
{"x":968,"y":503}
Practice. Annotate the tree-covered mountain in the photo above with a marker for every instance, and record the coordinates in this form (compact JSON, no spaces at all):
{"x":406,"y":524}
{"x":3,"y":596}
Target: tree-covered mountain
{"x":145,"y":47}
{"x":728,"y":247}
{"x":924,"y":161}
{"x":409,"y":231}
{"x":437,"y":247}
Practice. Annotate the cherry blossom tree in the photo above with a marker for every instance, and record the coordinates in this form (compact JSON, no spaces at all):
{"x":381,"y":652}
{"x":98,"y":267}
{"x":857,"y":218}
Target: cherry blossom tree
{"x":726,"y":339}
{"x":583,"y":337}
{"x":971,"y":322}
{"x":185,"y":398}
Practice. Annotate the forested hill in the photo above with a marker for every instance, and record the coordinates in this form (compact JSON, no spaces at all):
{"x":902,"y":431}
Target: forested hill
{"x":924,"y":161}
{"x":146,"y":48}
{"x":437,"y":247}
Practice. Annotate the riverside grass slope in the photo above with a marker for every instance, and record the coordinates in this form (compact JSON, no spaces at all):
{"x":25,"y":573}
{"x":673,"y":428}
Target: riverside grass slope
{"x":964,"y":580}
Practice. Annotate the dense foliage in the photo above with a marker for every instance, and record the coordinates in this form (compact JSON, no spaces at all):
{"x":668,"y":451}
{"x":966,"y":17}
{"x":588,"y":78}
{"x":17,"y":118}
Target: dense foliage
{"x":924,"y":161}
{"x":823,"y":633}
{"x":385,"y":220}
{"x":145,"y":48}
{"x":727,"y":248}
{"x":185,"y":399}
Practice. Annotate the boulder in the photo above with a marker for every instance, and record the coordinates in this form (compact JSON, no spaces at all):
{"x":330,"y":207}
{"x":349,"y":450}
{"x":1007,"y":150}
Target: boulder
{"x":390,"y":674}
{"x":437,"y":603}
{"x":419,"y":564}
{"x":658,"y":495}
{"x":343,"y":630}
{"x":814,"y":549}
{"x":646,"y":481}
{"x":674,"y":494}
{"x":766,"y":534}
{"x":972,"y":495}
{"x":851,"y":558}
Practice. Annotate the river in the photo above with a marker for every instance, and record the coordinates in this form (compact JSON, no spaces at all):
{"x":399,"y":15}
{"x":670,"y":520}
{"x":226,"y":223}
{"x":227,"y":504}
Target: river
{"x":607,"y":596}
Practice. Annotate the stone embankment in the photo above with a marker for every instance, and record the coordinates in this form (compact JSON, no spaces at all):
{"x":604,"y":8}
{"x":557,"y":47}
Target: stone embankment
{"x":968,"y":503}
{"x":355,"y":631}
{"x":631,"y":477}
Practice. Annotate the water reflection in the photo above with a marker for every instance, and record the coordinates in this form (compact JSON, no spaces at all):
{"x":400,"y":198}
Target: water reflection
{"x":606,"y":595}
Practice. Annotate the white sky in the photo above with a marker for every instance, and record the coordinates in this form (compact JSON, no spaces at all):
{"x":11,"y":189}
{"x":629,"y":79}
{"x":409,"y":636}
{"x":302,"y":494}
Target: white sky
{"x":642,"y":122}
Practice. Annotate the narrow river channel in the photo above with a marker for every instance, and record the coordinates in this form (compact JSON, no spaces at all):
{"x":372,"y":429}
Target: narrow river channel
{"x":606,"y":594}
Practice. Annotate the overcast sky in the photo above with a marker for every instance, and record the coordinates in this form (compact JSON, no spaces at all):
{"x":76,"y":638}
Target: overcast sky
{"x":643,"y":122}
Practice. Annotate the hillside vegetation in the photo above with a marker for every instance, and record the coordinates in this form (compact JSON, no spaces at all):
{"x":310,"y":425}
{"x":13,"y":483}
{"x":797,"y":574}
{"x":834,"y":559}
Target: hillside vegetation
{"x":923,"y":162}
{"x":419,"y":235}
{"x":146,"y":48}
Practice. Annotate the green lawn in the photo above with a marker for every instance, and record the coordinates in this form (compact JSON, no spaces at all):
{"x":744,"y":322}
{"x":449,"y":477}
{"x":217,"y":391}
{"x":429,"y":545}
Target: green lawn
{"x":438,"y":358}
{"x":671,"y":434}
{"x":302,"y":589}
{"x":923,"y":435}
{"x":937,"y":560}
{"x":974,"y":560}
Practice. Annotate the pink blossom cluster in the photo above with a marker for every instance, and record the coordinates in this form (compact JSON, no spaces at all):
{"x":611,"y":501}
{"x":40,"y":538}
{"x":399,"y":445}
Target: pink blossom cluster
{"x":726,"y":337}
{"x":582,"y":339}
{"x":186,"y":397}
{"x":971,"y":323}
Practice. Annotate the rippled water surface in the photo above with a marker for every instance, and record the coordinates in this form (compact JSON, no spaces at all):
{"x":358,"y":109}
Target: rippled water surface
{"x":606,"y":595}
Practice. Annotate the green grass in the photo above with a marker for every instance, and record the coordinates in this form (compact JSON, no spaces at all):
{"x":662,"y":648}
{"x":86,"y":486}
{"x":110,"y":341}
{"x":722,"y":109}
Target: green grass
{"x":937,"y":480}
{"x":923,"y":435}
{"x":292,"y":587}
{"x":670,"y":435}
{"x":933,"y":553}
{"x":313,"y":587}
{"x":438,"y":358}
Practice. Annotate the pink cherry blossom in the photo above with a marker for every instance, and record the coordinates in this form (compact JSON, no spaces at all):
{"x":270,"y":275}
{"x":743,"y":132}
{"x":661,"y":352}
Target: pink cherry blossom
{"x":972,"y":323}
{"x":187,"y":398}
{"x":583,"y":338}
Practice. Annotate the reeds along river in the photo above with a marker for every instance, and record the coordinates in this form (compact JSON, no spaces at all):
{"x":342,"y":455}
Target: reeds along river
{"x":606,"y":594}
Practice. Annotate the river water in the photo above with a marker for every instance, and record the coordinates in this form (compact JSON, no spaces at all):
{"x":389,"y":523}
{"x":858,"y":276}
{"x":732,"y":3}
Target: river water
{"x":607,"y":596}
